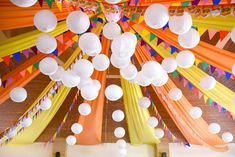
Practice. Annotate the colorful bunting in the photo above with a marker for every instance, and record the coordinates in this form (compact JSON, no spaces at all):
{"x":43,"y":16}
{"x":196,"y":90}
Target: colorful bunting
{"x":152,"y":36}
{"x":173,"y":49}
{"x":7,"y":59}
{"x":17,"y":56}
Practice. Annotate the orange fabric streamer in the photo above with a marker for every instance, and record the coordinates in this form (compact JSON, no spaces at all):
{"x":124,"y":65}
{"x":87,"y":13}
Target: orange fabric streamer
{"x":12,"y":17}
{"x":92,"y":123}
{"x":195,"y":131}
{"x":206,"y":52}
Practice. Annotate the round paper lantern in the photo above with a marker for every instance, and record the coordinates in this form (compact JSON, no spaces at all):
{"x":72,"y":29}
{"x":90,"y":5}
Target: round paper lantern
{"x":89,"y":92}
{"x":129,"y":72}
{"x":90,"y":44}
{"x":156,"y":16}
{"x":84,"y":81}
{"x":113,"y":16}
{"x":119,"y":62}
{"x":111,"y":30}
{"x":142,"y":80}
{"x":23,"y":3}
{"x":18,"y":94}
{"x":190,"y":39}
{"x":78,"y":22}
{"x":70,"y":79}
{"x":169,"y":64}
{"x":152,"y":70}
{"x":45,"y":20}
{"x":121,"y":143}
{"x":152,"y":122}
{"x":113,"y":1}
{"x":97,"y":84}
{"x":233,"y":69}
{"x":122,"y":152}
{"x":48,"y":66}
{"x":208,"y":82}
{"x":119,"y":132}
{"x":45,"y":104}
{"x":195,"y":112}
{"x":159,"y":133}
{"x":46,"y":43}
{"x":26,"y":122}
{"x":123,"y":46}
{"x":144,"y":102}
{"x":100,"y":62}
{"x":83,"y":68}
{"x":180,"y":24}
{"x":57,"y":76}
{"x":232,"y":34}
{"x":185,"y":59}
{"x":84,"y":109}
{"x":118,"y":115}
{"x":76,"y":128}
{"x":214,"y":128}
{"x":113,"y":92}
{"x":12,"y":133}
{"x":175,"y":94}
{"x":161,"y":81}
{"x":71,"y":140}
{"x":227,"y":137}
{"x":132,"y":36}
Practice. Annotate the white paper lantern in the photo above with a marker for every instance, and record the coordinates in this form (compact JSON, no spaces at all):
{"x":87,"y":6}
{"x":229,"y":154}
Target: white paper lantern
{"x":12,"y":133}
{"x":161,"y":81}
{"x":185,"y":59}
{"x":84,"y":81}
{"x":119,"y":62}
{"x":118,"y":115}
{"x":152,"y":70}
{"x":97,"y":84}
{"x":23,"y":3}
{"x":70,"y":79}
{"x":78,"y":22}
{"x":45,"y":104}
{"x":190,"y":39}
{"x":175,"y":94}
{"x":232,"y":35}
{"x":119,"y":132}
{"x":57,"y":76}
{"x":152,"y":122}
{"x":132,"y":36}
{"x":195,"y":112}
{"x":180,"y":24}
{"x":71,"y":140}
{"x":48,"y":66}
{"x":129,"y":72}
{"x":142,"y":80}
{"x":90,"y":44}
{"x":233,"y":69}
{"x":159,"y":133}
{"x":156,"y":16}
{"x":84,"y":109}
{"x":100,"y":62}
{"x":111,"y":30}
{"x":208,"y":82}
{"x":113,"y":1}
{"x":113,"y":16}
{"x":227,"y":137}
{"x":121,"y":143}
{"x":113,"y":92}
{"x":169,"y":64}
{"x":123,"y":46}
{"x":214,"y":128}
{"x":26,"y":122}
{"x":18,"y":94}
{"x":45,"y":20}
{"x":89,"y":92}
{"x":83,"y":68}
{"x":46,"y":43}
{"x":122,"y":152}
{"x":76,"y":128}
{"x":144,"y":102}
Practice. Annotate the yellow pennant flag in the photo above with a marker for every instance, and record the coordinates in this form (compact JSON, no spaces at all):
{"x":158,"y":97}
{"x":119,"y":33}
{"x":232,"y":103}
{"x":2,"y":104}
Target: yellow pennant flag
{"x":30,"y":69}
{"x":59,"y":4}
{"x":201,"y":31}
{"x":205,"y":98}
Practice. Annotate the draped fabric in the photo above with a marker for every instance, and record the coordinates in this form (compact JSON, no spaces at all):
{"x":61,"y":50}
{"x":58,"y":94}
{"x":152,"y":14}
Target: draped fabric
{"x":139,"y":131}
{"x":220,"y":94}
{"x":195,"y":131}
{"x":203,"y":51}
{"x":92,"y":123}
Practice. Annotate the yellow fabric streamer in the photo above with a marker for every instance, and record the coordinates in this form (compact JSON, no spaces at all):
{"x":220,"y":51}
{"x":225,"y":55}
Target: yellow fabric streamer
{"x":139,"y":131}
{"x":220,"y":94}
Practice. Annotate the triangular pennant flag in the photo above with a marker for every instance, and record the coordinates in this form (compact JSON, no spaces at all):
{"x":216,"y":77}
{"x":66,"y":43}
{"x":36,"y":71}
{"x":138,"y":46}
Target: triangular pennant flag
{"x":138,"y":36}
{"x":197,"y":61}
{"x":200,"y":94}
{"x":204,"y":66}
{"x":7,"y":59}
{"x":195,"y":91}
{"x":142,"y":42}
{"x":69,"y":43}
{"x":185,"y":82}
{"x":124,"y":18}
{"x":195,"y":2}
{"x":60,"y":38}
{"x":180,"y":78}
{"x":159,"y":41}
{"x":216,"y":1}
{"x":205,"y":98}
{"x":211,"y":33}
{"x":100,"y":20}
{"x":36,"y":65}
{"x":204,"y":2}
{"x":223,"y":34}
{"x":190,"y":86}
{"x":58,"y":4}
{"x":49,"y":3}
{"x":201,"y":31}
{"x":133,"y":17}
{"x":164,"y":27}
{"x":17,"y":56}
{"x":40,"y":2}
{"x":26,"y":53}
{"x":173,"y":49}
{"x":220,"y":72}
{"x":81,"y":9}
{"x":22,"y":73}
{"x":159,"y":59}
{"x":141,"y":19}
{"x":166,"y":45}
{"x":138,"y":28}
{"x":75,"y":38}
{"x":34,"y":49}
{"x":175,"y":74}
{"x":153,"y":53}
{"x":30,"y":69}
{"x":185,"y":3}
{"x":152,"y":36}
{"x":219,"y":108}
{"x":212,"y":69}
{"x":148,"y":48}
{"x":228,"y":75}
{"x":9,"y":80}
{"x":4,"y":83}
{"x":210,"y":101}
{"x":55,"y":52}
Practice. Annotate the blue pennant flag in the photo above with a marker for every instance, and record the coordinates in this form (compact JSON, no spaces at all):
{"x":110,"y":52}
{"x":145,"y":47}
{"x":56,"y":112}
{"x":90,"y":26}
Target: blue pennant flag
{"x":153,"y":53}
{"x":124,"y":18}
{"x":164,"y":27}
{"x":82,"y":9}
{"x":17,"y":56}
{"x":216,"y":1}
{"x":190,"y":86}
{"x":173,"y":49}
{"x":228,"y":75}
{"x":55,"y":52}
{"x":100,"y":20}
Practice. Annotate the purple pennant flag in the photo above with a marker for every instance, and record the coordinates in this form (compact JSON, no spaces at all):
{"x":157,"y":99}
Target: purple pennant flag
{"x":9,"y":81}
{"x":204,"y":2}
{"x":34,"y":49}
{"x":212,"y":69}
{"x":220,"y":72}
{"x":180,"y":78}
{"x":166,"y":45}
{"x":40,"y":2}
{"x":185,"y":82}
{"x":142,"y":42}
{"x":215,"y":105}
{"x":159,"y":41}
{"x":4,"y":83}
{"x":26,"y":53}
{"x":195,"y":2}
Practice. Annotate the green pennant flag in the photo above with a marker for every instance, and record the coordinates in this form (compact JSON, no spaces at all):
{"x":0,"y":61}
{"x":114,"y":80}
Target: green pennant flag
{"x":185,"y":3}
{"x":95,"y":19}
{"x":49,"y":3}
{"x":204,"y":65}
{"x":133,"y":17}
{"x":36,"y":65}
{"x":175,"y":74}
{"x":152,"y":37}
{"x":138,"y":36}
{"x":99,"y":11}
{"x":210,"y":101}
